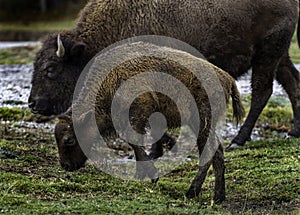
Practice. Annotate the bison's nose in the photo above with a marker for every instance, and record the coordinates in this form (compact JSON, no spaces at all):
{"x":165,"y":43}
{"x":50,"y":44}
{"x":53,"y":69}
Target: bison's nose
{"x":31,"y":103}
{"x":38,"y":105}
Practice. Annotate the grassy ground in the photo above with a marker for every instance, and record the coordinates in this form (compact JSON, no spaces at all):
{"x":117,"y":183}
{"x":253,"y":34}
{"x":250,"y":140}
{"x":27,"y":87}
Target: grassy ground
{"x":262,"y":178}
{"x":25,"y":55}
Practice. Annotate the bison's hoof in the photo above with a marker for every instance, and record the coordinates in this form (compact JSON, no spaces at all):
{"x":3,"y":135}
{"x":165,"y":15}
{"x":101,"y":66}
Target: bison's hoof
{"x":155,"y":180}
{"x":294,"y":133}
{"x":232,"y":146}
{"x":192,"y":193}
{"x":240,"y":140}
{"x":218,"y":199}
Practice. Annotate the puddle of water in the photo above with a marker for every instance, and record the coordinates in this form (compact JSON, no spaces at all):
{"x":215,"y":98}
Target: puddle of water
{"x":244,"y":86}
{"x":15,"y":85}
{"x":46,"y":128}
{"x":6,"y":45}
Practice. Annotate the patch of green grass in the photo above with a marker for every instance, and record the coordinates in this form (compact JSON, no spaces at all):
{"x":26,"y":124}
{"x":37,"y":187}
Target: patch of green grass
{"x":14,"y":113}
{"x":17,"y":56}
{"x":13,"y":102}
{"x":271,"y":169}
{"x":277,"y":115}
{"x":278,"y":111}
{"x":261,"y":178}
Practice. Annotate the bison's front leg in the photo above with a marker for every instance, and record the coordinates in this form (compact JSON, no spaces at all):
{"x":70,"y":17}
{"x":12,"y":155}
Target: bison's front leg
{"x":144,"y":165}
{"x":264,"y":66}
{"x":261,"y":93}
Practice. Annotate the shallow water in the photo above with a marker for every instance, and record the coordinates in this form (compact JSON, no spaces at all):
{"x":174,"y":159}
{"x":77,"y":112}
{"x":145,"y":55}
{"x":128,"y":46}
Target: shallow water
{"x":15,"y":85}
{"x":5,"y":45}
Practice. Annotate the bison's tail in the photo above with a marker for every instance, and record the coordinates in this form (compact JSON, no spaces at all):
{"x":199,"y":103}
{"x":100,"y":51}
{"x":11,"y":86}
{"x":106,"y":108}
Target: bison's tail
{"x":238,"y":109}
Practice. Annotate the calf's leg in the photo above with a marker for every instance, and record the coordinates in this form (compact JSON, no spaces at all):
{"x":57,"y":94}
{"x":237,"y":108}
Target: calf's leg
{"x":196,"y":185}
{"x":157,"y":147}
{"x":219,"y":169}
{"x":144,"y":165}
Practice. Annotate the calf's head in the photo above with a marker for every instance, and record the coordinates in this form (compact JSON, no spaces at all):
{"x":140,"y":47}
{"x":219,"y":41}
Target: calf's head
{"x":56,"y":70}
{"x":72,"y":154}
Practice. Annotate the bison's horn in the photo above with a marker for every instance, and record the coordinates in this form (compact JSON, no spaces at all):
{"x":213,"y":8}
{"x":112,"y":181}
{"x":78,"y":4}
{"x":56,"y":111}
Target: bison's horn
{"x":60,"y":48}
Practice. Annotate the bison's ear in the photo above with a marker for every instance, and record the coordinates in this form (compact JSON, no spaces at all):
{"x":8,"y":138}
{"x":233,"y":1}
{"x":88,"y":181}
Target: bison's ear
{"x":78,"y":49}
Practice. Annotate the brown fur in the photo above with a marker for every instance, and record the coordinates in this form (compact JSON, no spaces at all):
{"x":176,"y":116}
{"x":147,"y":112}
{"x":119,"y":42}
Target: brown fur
{"x":148,"y":103}
{"x":235,"y":35}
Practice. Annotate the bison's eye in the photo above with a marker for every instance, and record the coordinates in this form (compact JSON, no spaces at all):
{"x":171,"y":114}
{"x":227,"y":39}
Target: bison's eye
{"x":51,"y":73}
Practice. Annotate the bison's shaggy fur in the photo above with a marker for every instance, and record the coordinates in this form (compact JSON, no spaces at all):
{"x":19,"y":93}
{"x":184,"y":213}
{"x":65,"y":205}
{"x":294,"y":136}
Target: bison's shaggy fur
{"x":234,"y":35}
{"x":72,"y":157}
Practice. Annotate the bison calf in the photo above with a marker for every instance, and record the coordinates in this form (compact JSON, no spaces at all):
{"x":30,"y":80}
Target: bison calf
{"x":147,"y":68}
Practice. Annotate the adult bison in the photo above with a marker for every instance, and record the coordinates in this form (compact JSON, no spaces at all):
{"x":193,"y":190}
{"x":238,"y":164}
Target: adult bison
{"x":234,"y":35}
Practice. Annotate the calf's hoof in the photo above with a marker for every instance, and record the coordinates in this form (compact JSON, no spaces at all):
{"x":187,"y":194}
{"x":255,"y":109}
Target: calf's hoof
{"x":155,"y":180}
{"x":192,"y":193}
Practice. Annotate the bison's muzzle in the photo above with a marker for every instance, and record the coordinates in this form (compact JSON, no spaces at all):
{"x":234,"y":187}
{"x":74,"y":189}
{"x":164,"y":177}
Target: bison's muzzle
{"x":39,"y":105}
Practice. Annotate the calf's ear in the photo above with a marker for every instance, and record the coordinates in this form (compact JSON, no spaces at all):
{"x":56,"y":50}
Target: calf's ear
{"x":78,"y":49}
{"x":64,"y":117}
